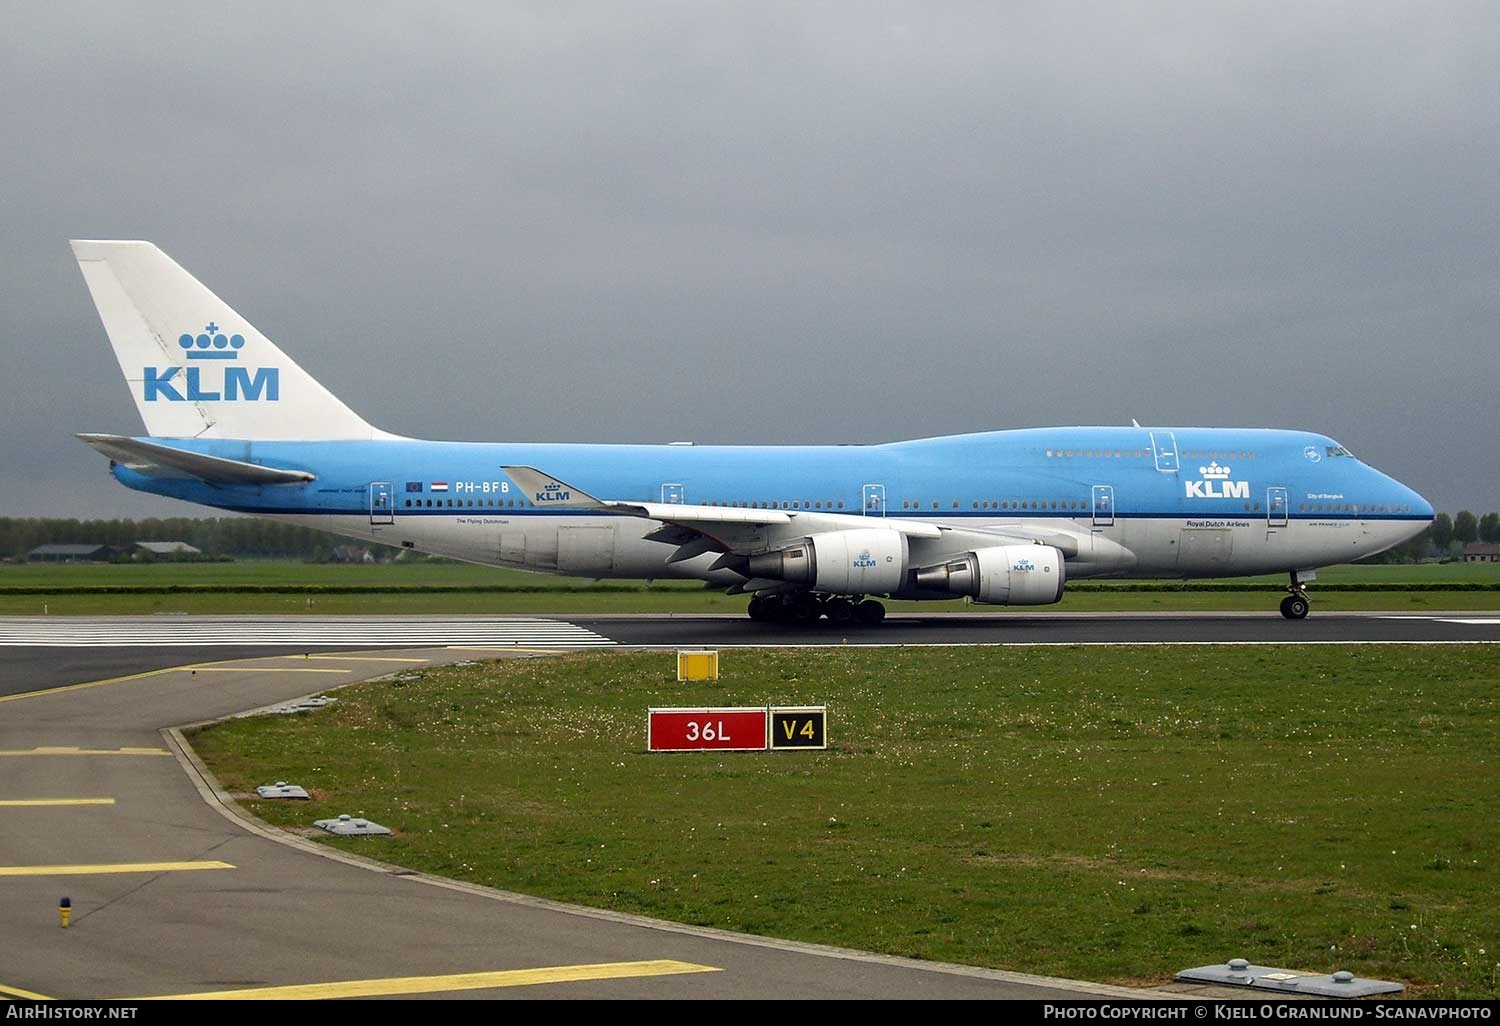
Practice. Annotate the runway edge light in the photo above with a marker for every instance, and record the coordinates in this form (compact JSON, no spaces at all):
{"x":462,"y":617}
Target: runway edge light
{"x":65,"y":911}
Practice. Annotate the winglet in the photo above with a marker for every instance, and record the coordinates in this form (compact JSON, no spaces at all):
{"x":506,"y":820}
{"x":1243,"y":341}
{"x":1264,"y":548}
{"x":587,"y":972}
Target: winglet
{"x":544,"y":490}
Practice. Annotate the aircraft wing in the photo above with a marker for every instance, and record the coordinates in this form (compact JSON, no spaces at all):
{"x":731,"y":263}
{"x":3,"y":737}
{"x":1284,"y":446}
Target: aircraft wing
{"x":700,"y":529}
{"x":156,"y":460}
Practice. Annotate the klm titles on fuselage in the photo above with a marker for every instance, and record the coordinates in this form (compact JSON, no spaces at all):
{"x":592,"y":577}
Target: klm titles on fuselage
{"x":1216,"y":484}
{"x":192,"y":384}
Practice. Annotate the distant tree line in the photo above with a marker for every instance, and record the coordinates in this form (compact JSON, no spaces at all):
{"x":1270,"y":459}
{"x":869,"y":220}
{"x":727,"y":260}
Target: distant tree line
{"x":217,"y":537}
{"x":1445,"y":538}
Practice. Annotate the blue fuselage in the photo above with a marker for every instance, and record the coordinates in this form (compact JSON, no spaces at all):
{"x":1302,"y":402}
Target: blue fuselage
{"x":1281,"y":499}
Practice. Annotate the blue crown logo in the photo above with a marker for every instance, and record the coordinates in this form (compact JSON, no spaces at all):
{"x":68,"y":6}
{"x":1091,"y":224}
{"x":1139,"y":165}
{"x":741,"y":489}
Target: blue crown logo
{"x":211,"y":344}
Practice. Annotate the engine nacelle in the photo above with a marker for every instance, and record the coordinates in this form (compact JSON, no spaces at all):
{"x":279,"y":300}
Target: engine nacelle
{"x":1006,"y":575}
{"x":866,"y":561}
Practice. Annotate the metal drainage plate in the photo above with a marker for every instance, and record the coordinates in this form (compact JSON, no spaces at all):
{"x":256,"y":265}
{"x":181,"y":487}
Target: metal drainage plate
{"x":281,"y":789}
{"x":306,"y":705}
{"x":348,"y":826}
{"x":1238,"y":972}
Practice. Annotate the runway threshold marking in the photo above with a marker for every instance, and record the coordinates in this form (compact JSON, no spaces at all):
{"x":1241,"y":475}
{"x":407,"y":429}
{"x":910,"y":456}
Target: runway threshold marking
{"x":25,"y":995}
{"x":457,"y":981}
{"x":64,"y":750}
{"x":112,"y":867}
{"x":47,"y":803}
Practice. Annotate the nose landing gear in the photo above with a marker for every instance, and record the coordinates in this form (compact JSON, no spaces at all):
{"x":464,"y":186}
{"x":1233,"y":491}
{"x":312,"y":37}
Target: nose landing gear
{"x":1296,"y":604}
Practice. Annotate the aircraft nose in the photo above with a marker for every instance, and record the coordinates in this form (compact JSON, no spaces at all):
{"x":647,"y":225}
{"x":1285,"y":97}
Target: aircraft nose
{"x":1414,"y":500}
{"x":1422,"y":506}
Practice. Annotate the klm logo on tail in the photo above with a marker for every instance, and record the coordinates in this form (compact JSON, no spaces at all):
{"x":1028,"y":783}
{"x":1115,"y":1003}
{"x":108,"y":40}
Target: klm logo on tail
{"x":1216,"y":484}
{"x":200,"y":384}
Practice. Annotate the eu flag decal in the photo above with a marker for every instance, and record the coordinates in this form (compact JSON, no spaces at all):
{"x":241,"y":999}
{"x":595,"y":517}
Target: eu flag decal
{"x":414,"y":486}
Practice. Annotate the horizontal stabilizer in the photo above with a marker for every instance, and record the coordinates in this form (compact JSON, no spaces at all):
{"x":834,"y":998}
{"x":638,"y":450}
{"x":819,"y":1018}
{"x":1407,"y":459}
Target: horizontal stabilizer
{"x":157,"y":460}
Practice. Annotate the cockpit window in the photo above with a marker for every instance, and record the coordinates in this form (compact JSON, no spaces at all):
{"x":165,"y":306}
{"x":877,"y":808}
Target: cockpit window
{"x":1338,"y":450}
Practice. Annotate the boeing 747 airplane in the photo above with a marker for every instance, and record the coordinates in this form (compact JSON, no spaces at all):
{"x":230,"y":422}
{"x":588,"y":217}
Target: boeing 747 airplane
{"x":1003,"y":517}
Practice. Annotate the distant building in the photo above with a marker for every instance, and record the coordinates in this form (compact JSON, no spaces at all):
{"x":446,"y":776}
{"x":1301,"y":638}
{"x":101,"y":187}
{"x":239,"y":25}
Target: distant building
{"x":351,"y":554}
{"x":1482,"y":552}
{"x":168,"y":549}
{"x":72,"y":553}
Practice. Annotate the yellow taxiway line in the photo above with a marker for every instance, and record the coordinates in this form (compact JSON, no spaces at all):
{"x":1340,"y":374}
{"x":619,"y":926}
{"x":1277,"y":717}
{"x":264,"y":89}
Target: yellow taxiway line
{"x":94,"y":683}
{"x":47,"y":803}
{"x":184,"y":668}
{"x":66,"y":750}
{"x":437,"y":984}
{"x":111,"y":867}
{"x":25,"y":995}
{"x":369,"y":659}
{"x":265,"y":669}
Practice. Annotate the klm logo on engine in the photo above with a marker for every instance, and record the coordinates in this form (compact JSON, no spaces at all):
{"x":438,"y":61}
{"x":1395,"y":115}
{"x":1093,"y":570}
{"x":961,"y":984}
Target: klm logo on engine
{"x":864,"y":560}
{"x":554,"y":493}
{"x":1216,"y":484}
{"x":208,"y":384}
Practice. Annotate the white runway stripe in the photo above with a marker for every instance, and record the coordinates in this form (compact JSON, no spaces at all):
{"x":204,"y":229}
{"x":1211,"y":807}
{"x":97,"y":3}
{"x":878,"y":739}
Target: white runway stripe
{"x":153,"y":632}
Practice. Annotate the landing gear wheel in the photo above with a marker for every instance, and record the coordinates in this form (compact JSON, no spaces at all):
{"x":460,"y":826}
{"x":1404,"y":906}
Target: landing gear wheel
{"x":870,"y":612}
{"x":759,"y":609}
{"x":804,"y":609}
{"x":839,"y":611}
{"x":1294,"y":607}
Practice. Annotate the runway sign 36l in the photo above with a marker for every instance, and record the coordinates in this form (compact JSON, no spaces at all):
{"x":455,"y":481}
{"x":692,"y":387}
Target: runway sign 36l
{"x":736,"y":729}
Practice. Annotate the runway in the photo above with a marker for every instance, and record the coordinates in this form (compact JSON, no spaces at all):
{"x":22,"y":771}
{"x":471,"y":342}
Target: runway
{"x":39,"y":652}
{"x":174,"y":894}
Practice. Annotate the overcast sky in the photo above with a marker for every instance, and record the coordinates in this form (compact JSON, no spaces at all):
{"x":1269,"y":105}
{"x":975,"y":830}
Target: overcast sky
{"x":770,"y":222}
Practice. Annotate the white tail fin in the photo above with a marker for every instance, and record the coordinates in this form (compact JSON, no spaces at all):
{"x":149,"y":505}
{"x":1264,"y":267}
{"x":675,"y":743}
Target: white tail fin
{"x":197,"y":369}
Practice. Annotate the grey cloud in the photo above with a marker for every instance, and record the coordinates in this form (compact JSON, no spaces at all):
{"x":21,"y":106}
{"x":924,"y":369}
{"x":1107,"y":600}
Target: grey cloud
{"x":776,"y":222}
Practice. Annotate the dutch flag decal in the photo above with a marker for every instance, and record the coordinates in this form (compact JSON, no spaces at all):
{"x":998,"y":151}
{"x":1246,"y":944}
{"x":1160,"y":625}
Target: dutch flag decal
{"x":440,"y":486}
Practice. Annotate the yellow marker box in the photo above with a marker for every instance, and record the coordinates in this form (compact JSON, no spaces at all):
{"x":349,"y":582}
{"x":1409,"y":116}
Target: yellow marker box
{"x":697,"y":664}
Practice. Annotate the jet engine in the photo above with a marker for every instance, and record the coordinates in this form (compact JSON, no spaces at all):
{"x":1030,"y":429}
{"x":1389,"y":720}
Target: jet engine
{"x":866,"y":561}
{"x":1005,"y":575}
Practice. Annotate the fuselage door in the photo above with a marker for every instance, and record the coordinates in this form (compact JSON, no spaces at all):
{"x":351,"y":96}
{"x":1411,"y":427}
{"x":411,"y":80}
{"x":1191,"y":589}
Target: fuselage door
{"x":382,"y":503}
{"x":671,"y":494}
{"x":873,"y":503}
{"x":1164,"y":448}
{"x":1104,"y":505}
{"x":1276,"y":506}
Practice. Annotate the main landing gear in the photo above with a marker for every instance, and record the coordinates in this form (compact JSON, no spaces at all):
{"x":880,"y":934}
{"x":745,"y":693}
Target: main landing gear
{"x":1295,"y":605}
{"x":807,"y":608}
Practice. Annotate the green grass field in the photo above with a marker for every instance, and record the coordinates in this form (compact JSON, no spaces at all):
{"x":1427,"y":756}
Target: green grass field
{"x":1105,"y":813}
{"x":288,"y":587}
